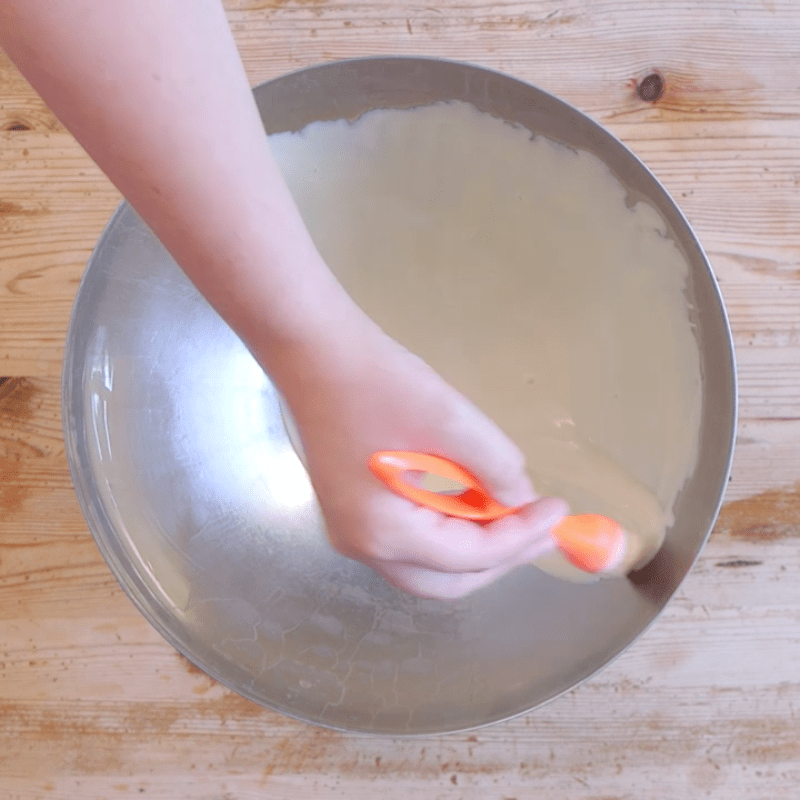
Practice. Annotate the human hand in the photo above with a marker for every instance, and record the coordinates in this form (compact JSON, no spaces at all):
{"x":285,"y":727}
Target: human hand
{"x":365,"y":393}
{"x":218,"y":203}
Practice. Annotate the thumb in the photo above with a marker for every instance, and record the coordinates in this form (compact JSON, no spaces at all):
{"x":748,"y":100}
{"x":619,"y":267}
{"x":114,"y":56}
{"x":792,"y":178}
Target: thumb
{"x":537,"y":519}
{"x":501,"y":471}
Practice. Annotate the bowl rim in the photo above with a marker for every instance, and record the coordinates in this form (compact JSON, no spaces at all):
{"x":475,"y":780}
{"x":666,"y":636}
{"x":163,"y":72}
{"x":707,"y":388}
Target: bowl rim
{"x":72,"y":375}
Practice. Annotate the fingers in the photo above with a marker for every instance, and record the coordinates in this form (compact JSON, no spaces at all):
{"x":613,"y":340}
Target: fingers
{"x":430,"y":541}
{"x":439,"y":585}
{"x":445,"y":582}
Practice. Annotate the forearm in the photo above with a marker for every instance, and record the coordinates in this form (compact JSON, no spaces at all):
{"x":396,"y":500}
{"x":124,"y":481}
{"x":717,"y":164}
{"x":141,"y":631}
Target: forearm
{"x":154,"y":90}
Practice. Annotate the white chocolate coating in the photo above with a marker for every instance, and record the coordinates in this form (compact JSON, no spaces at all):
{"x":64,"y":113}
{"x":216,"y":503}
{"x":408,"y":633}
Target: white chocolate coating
{"x":514,"y":266}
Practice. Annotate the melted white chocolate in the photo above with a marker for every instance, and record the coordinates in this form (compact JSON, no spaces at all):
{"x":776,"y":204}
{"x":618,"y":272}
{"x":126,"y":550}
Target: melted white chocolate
{"x":516,"y":267}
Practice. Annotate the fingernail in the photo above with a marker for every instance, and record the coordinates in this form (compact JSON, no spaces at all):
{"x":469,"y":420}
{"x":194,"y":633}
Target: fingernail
{"x":543,"y":545}
{"x":548,"y":511}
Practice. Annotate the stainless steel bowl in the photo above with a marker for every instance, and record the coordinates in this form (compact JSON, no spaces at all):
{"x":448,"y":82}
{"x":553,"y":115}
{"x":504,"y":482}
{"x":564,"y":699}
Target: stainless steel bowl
{"x":207,"y":519}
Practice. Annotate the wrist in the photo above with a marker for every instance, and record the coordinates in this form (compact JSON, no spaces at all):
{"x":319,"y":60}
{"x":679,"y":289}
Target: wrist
{"x":321,"y":336}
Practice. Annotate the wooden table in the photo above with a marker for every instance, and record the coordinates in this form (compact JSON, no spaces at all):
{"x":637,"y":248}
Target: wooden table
{"x":93,"y":704}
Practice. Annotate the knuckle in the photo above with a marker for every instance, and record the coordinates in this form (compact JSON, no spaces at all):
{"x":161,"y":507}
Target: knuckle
{"x":375,"y":547}
{"x":511,"y":460}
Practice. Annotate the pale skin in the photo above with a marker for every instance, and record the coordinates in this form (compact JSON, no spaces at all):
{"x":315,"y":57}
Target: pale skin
{"x":156,"y":93}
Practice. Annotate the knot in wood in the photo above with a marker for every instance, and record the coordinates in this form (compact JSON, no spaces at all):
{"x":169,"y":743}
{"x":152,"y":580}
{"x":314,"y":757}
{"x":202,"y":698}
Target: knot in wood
{"x":651,"y":87}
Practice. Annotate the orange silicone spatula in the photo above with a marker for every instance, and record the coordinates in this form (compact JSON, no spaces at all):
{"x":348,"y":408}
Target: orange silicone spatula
{"x":591,"y":542}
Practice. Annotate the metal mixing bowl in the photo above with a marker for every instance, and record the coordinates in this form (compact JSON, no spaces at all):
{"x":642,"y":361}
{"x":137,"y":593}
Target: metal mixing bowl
{"x":207,"y":519}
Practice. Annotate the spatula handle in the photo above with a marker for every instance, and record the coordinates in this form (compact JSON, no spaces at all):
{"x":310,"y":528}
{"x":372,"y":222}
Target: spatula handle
{"x":474,"y":503}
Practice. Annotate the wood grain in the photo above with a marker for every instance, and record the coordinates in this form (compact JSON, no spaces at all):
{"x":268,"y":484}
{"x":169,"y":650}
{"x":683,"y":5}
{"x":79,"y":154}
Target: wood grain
{"x":94,"y":704}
